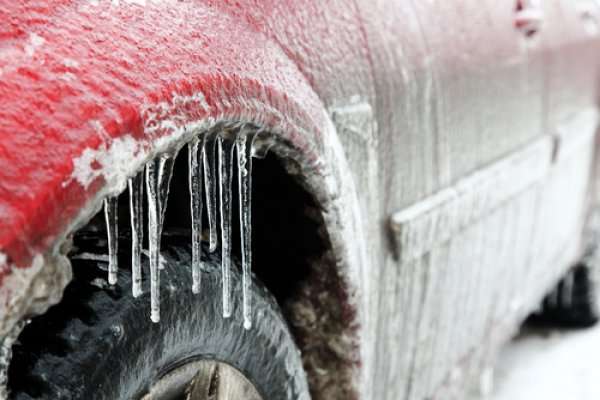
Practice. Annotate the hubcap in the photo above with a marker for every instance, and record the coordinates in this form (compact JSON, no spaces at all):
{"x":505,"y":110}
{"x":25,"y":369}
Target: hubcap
{"x":203,"y":380}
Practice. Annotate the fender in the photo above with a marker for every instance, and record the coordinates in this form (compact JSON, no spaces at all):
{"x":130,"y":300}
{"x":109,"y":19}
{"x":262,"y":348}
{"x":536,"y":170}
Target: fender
{"x":375,"y":94}
{"x":105,"y":88}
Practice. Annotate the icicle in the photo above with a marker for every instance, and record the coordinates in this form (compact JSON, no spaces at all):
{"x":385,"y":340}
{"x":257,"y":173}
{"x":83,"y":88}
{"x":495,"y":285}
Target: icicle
{"x":225,"y":150}
{"x":112,"y":228}
{"x":158,"y":177}
{"x":210,"y":178}
{"x":136,"y":194}
{"x":166,"y":164}
{"x":244,"y":158}
{"x":261,"y":144}
{"x":195,"y":185}
{"x":153,"y":240}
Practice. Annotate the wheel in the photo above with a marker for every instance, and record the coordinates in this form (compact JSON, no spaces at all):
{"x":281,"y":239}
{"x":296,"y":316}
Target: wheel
{"x":99,"y":342}
{"x":573,"y":303}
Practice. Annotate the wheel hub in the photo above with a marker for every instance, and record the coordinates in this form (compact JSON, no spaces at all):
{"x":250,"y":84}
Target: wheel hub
{"x":203,"y":380}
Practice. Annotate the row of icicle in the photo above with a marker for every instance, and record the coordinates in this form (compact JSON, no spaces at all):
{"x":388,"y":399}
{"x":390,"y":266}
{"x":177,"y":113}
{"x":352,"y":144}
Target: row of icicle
{"x":210,"y":156}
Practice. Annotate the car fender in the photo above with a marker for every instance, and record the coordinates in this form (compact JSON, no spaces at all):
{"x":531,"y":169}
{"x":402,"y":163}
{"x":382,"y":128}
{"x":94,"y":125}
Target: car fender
{"x":92,"y":92}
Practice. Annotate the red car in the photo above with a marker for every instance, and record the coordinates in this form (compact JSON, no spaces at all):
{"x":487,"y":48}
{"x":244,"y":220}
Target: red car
{"x":241,"y":199}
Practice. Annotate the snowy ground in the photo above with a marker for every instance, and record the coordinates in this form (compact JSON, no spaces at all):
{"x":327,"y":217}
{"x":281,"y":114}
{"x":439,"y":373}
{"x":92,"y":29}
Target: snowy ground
{"x":550,"y":366}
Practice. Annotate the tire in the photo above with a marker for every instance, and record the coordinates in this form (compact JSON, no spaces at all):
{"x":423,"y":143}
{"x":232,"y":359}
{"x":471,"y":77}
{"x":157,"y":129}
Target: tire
{"x":573,"y":303}
{"x":99,"y":342}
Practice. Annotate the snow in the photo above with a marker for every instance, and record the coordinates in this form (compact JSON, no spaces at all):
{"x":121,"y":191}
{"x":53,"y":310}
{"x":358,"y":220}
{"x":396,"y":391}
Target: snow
{"x":113,"y":162}
{"x":550,"y":366}
{"x":35,"y":42}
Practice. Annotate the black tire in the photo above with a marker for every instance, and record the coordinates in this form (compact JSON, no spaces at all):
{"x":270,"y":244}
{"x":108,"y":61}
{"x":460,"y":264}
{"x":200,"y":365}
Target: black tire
{"x":573,"y":303}
{"x":99,"y":342}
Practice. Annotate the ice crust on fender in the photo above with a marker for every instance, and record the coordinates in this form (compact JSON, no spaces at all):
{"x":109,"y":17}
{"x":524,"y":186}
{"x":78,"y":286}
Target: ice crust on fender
{"x":108,"y":86}
{"x":127,"y":82}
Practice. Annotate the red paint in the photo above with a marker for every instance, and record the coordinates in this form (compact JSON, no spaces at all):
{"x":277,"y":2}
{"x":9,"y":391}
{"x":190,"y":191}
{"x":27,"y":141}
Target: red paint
{"x":65,"y":64}
{"x":107,"y":63}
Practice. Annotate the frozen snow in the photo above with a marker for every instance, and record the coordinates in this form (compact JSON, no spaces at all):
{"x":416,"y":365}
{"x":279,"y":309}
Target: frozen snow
{"x":35,"y":42}
{"x":550,"y":366}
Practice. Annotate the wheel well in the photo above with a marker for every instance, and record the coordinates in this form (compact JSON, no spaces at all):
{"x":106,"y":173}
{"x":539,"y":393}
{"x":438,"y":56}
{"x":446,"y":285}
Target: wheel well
{"x":292,"y":256}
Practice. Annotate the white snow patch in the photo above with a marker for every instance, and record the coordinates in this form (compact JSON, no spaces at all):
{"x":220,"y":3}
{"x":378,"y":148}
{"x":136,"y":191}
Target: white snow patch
{"x":68,"y":77}
{"x":113,"y":162}
{"x":70,"y":63}
{"x":35,"y":42}
{"x":138,"y":2}
{"x":3,"y":260}
{"x":557,"y":366}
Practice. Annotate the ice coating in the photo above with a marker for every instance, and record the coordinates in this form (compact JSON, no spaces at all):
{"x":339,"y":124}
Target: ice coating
{"x":210,"y":177}
{"x":165,"y":170}
{"x":153,"y":239}
{"x":406,"y":44}
{"x":195,"y":186}
{"x":244,"y":159}
{"x":225,"y":152}
{"x":136,"y":194}
{"x":112,"y":232}
{"x":158,"y":177}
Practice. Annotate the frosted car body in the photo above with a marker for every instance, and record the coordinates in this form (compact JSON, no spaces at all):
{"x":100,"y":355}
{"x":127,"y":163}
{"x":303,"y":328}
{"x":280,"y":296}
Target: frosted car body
{"x":440,"y":139}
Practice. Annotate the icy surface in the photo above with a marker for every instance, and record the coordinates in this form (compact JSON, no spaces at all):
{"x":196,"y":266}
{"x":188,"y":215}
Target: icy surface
{"x":136,"y":188}
{"x":210,"y":166}
{"x":195,"y":185}
{"x":210,"y":177}
{"x":550,"y":366}
{"x":111,"y":161}
{"x":225,"y":150}
{"x":112,"y":228}
{"x":153,"y":239}
{"x":244,"y":158}
{"x":158,"y":177}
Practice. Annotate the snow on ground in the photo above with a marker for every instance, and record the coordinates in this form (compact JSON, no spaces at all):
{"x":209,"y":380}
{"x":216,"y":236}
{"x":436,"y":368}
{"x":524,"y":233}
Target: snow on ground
{"x":549,"y":365}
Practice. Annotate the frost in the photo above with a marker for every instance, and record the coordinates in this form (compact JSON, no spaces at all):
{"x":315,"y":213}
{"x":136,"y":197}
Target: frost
{"x":113,"y":162}
{"x":34,"y":43}
{"x":70,"y":63}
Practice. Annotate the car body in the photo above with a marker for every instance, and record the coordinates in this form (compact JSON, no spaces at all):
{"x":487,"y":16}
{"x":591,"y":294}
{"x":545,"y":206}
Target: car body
{"x":450,"y":149}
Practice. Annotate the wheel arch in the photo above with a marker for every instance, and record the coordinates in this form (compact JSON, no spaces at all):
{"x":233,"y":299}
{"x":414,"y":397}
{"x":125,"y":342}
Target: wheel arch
{"x":124,"y":113}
